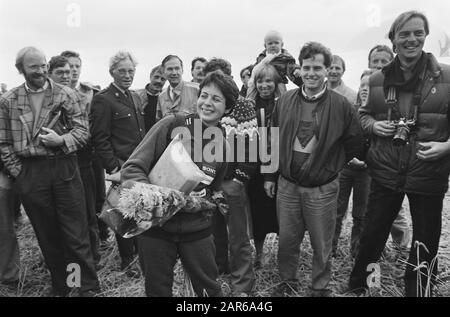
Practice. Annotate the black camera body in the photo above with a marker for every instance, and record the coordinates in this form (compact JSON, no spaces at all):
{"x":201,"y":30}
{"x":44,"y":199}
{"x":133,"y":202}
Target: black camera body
{"x":403,"y":130}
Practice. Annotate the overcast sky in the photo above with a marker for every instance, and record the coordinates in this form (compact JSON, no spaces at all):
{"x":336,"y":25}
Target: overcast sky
{"x":231,"y":29}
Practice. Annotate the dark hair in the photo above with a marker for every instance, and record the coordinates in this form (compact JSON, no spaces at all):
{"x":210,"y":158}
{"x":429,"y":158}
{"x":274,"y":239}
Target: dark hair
{"x":381,"y":48}
{"x":337,"y":57}
{"x":218,"y":63}
{"x":155,"y":69}
{"x":226,"y":85}
{"x":57,"y":61}
{"x":197,"y":59}
{"x":69,"y":54}
{"x":310,"y":49}
{"x":401,"y":20}
{"x":249,"y":68}
{"x":168,"y":58}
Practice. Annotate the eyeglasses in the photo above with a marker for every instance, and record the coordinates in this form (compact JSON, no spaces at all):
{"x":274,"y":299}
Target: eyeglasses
{"x":62,"y":72}
{"x":124,"y":72}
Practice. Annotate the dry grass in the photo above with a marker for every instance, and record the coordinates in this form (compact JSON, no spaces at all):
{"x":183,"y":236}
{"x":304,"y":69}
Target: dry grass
{"x":35,"y":280}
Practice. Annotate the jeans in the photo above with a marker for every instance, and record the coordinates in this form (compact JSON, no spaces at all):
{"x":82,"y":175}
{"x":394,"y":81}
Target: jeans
{"x":400,"y":232}
{"x":359,"y":181}
{"x":9,"y":249}
{"x":241,"y":266}
{"x":383,"y":207}
{"x":313,"y":209}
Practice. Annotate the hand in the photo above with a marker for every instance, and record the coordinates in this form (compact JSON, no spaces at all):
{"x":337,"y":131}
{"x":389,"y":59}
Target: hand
{"x":384,"y":128}
{"x":357,"y":163}
{"x":269,"y":187}
{"x":51,"y":139}
{"x":431,"y":151}
{"x":232,"y":187}
{"x":297,"y":72}
{"x":114,"y":178}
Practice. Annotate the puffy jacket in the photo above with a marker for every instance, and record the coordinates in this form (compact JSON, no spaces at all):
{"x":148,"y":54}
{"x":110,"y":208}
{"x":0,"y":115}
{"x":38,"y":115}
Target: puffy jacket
{"x":398,"y":168}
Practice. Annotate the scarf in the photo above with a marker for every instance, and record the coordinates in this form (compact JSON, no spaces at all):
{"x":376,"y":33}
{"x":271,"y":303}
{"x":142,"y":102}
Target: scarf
{"x":394,"y":74}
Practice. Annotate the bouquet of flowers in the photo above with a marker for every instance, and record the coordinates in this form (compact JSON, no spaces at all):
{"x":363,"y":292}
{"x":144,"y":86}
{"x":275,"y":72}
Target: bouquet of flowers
{"x":143,"y":206}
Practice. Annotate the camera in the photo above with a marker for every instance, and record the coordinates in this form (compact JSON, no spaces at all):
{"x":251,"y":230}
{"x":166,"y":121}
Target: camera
{"x":403,"y":129}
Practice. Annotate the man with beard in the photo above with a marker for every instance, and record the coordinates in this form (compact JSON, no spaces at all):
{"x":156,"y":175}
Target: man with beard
{"x":407,"y":115}
{"x":44,"y":165}
{"x":149,"y":96}
{"x":180,"y":96}
{"x":117,"y":128}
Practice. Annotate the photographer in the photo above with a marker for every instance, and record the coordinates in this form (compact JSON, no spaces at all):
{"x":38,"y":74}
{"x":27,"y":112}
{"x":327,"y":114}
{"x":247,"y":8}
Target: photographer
{"x":412,"y":158}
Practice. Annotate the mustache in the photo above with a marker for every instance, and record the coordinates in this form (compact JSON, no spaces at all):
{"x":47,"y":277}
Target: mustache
{"x":36,"y":76}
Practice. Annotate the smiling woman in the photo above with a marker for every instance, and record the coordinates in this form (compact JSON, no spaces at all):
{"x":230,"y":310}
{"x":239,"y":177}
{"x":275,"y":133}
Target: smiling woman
{"x":187,"y":235}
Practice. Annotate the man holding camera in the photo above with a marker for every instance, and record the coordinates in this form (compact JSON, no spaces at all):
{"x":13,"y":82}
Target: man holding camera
{"x":407,"y":117}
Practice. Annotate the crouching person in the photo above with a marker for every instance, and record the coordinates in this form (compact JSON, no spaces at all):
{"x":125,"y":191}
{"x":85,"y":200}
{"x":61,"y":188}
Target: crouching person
{"x":186,"y":235}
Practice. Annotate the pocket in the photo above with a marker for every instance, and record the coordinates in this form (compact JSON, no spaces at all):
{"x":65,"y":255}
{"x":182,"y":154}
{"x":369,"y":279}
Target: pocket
{"x":68,"y":169}
{"x":121,"y":115}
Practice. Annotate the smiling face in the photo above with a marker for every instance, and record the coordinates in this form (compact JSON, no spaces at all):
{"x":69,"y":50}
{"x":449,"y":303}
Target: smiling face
{"x":211,"y":105}
{"x":35,"y":69}
{"x":265,"y":86}
{"x":123,"y":74}
{"x":313,"y":73}
{"x":335,"y":71}
{"x":410,"y":39}
{"x":157,"y":81}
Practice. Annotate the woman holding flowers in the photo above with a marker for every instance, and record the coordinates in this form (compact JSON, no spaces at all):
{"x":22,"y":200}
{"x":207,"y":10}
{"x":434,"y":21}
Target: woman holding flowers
{"x":185,"y":235}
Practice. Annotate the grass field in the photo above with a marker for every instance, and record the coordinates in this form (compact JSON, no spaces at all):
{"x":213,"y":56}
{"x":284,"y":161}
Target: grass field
{"x":35,"y":280}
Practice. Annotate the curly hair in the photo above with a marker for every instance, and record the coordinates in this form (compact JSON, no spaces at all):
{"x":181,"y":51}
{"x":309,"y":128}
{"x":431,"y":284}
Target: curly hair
{"x":225,"y":84}
{"x":218,"y":63}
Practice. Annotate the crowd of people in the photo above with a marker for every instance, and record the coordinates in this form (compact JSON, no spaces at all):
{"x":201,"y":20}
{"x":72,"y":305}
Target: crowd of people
{"x":61,"y":139}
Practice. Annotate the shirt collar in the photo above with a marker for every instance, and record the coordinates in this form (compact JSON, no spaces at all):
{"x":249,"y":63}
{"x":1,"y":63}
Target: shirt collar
{"x":29,"y":90}
{"x":316,"y":96}
{"x":120,"y":89}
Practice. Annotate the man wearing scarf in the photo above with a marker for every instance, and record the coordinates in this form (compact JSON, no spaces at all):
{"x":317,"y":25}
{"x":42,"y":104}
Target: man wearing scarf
{"x":415,"y":87}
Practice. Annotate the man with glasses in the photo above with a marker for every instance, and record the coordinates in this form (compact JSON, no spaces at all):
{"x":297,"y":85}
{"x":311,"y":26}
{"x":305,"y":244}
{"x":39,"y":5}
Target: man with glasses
{"x":117,"y":128}
{"x":42,"y":160}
